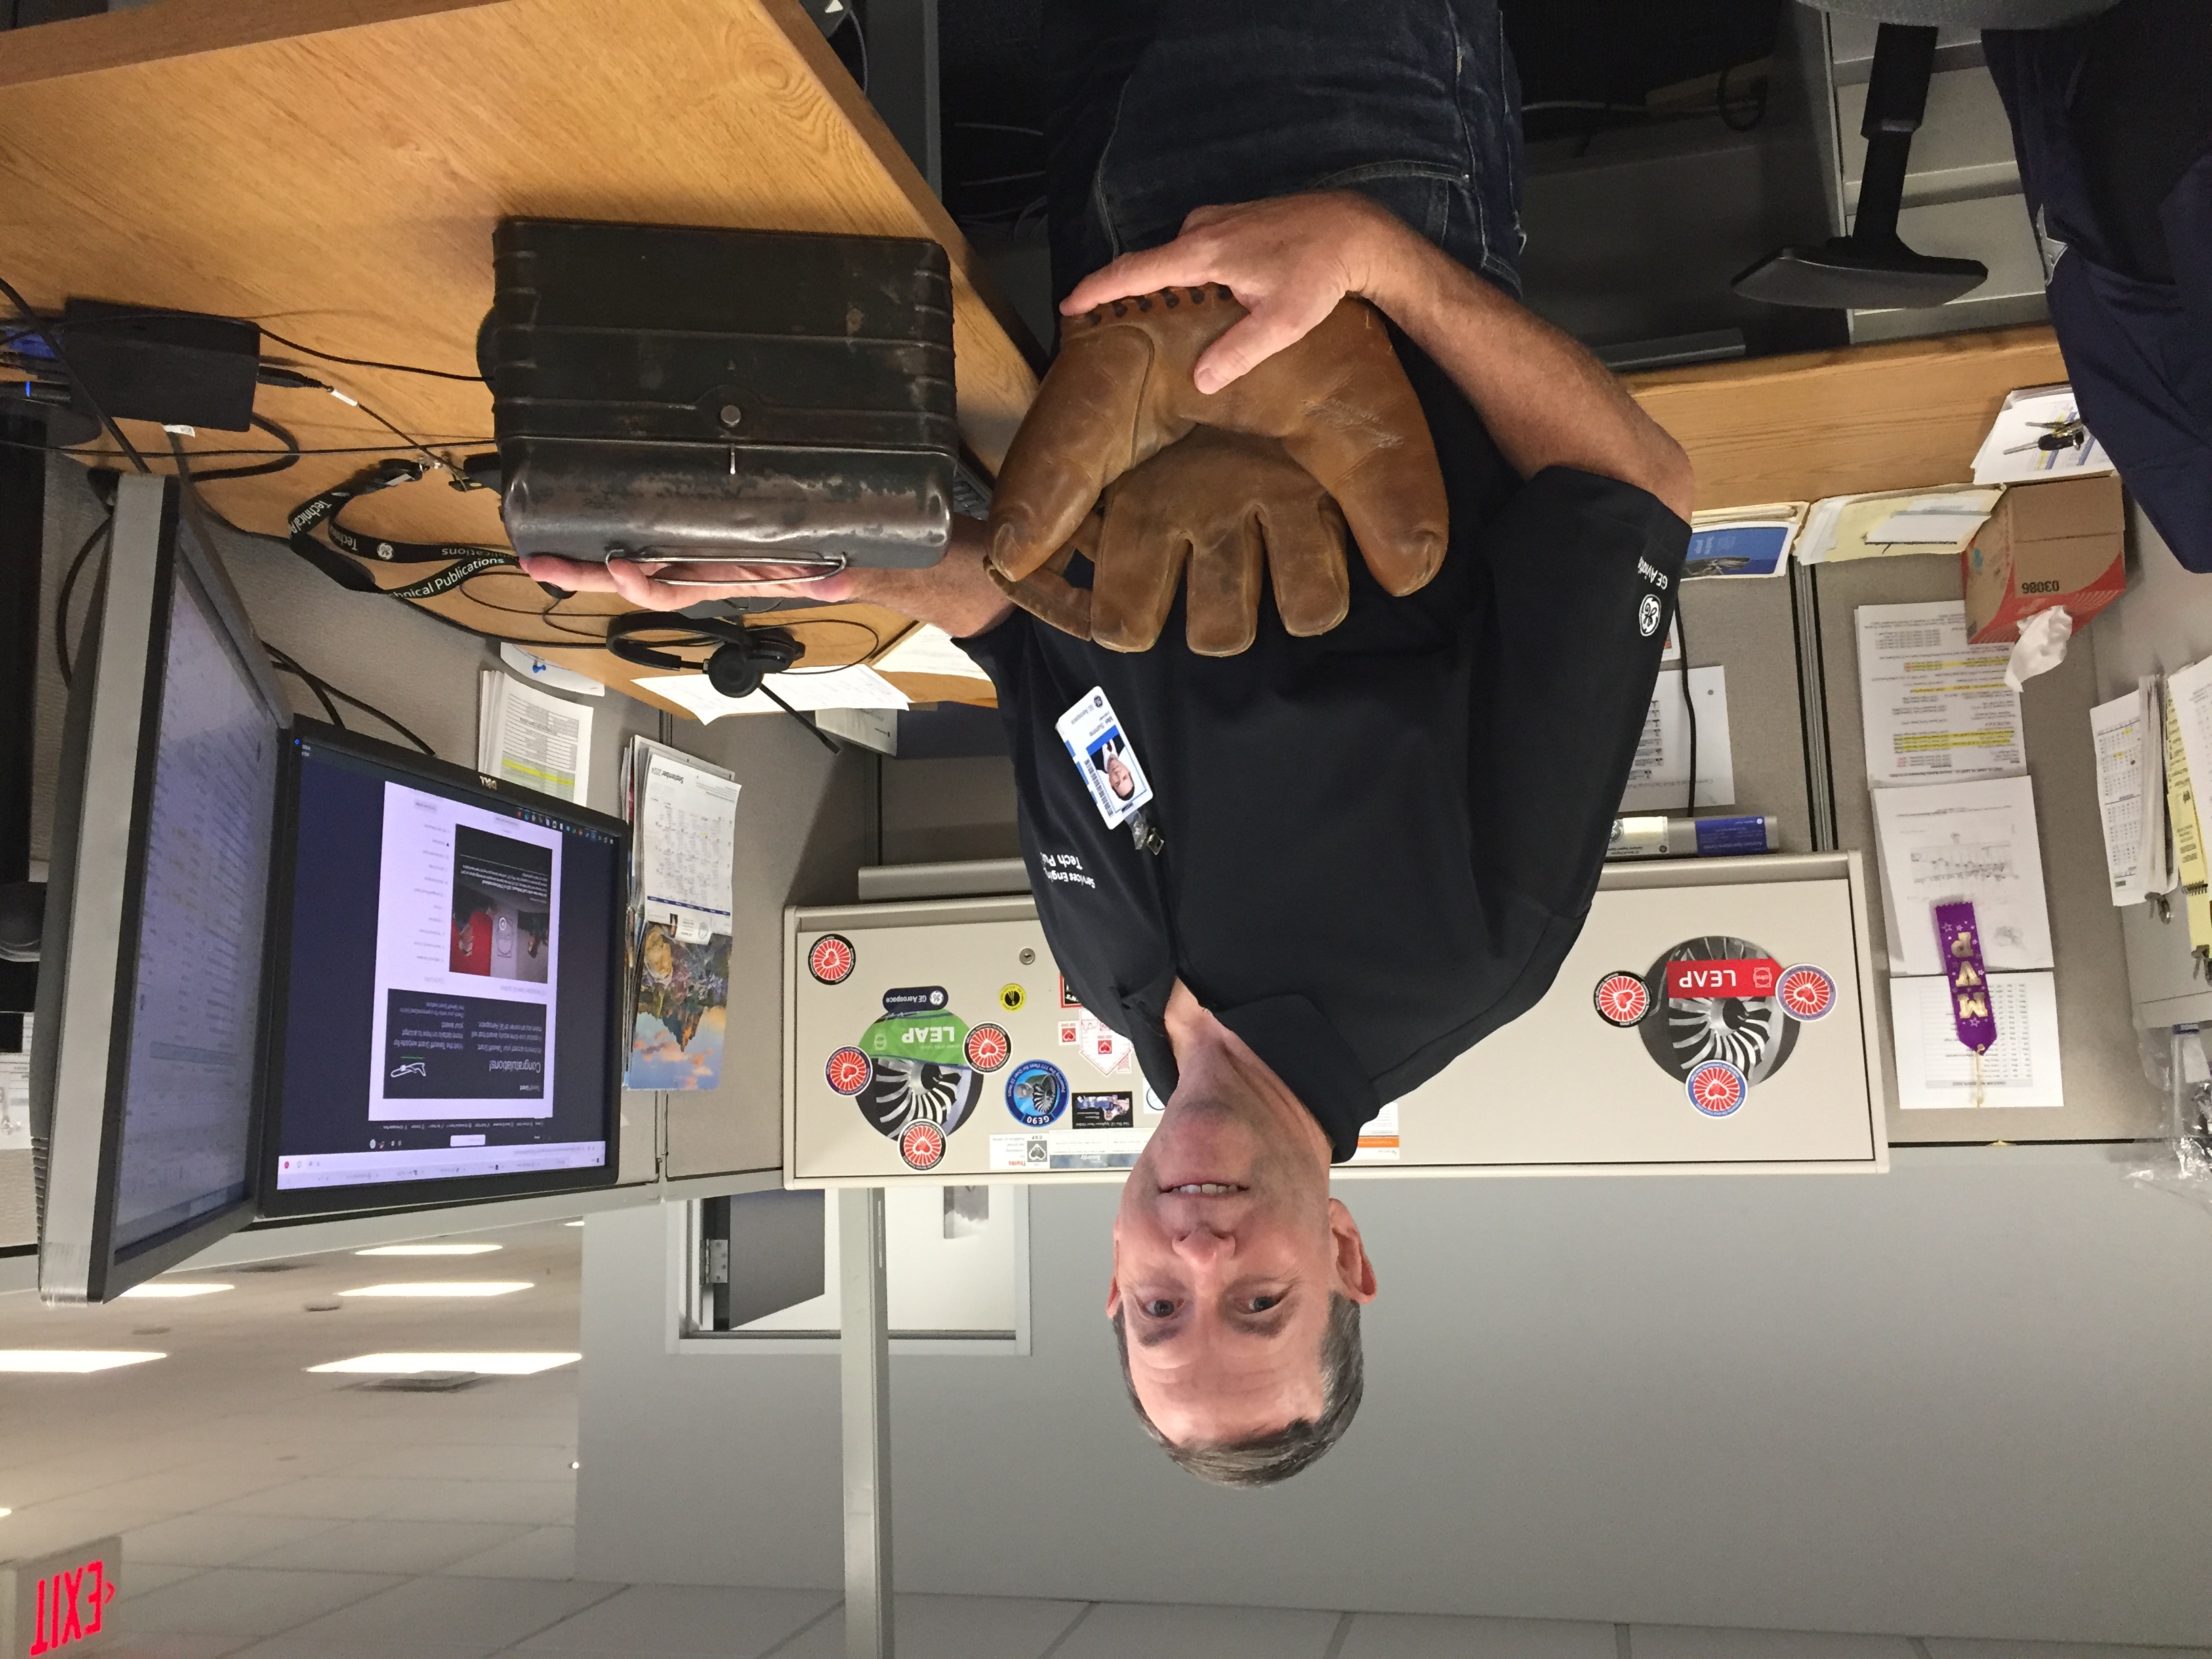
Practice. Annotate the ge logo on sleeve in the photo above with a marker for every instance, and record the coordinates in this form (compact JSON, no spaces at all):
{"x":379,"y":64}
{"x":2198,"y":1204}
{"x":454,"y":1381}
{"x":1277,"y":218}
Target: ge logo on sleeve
{"x":1647,"y":615}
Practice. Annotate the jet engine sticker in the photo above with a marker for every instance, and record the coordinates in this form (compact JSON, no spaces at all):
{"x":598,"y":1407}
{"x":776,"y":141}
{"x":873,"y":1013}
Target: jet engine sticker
{"x":1621,"y":998}
{"x":1751,"y":1033}
{"x":900,"y":1093}
{"x":1113,"y":1110}
{"x":921,"y":1144}
{"x":830,"y":959}
{"x":848,"y":1071}
{"x":988,"y":1048}
{"x":1715,"y":1088}
{"x":1807,"y":992}
{"x":1036,"y":1093}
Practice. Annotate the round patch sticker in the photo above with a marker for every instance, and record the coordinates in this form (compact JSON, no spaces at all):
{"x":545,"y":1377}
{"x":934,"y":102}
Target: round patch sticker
{"x":1622,"y":999}
{"x":1647,"y":615}
{"x":989,"y":1048}
{"x":921,"y":1144}
{"x":1010,"y":998}
{"x":1806,"y":992}
{"x":1036,"y":1093}
{"x":1716,"y":1088}
{"x":848,"y":1070}
{"x":830,"y":959}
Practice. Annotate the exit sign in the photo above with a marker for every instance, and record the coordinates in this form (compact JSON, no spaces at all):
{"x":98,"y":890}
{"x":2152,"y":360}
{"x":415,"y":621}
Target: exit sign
{"x":58,"y":1604}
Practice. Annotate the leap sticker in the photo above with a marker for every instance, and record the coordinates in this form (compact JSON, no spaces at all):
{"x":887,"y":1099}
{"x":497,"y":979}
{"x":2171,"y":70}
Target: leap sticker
{"x":830,"y":959}
{"x":921,"y":1144}
{"x":1716,"y":1088}
{"x":848,"y":1071}
{"x":988,"y":1048}
{"x":940,"y":1039}
{"x":1805,"y":991}
{"x":1103,"y":753}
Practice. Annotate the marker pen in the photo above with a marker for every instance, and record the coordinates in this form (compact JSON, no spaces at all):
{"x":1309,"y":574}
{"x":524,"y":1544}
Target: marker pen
{"x":1658,"y":837}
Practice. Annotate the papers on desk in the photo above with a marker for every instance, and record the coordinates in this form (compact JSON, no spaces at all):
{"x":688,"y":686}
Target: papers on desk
{"x":539,"y":672}
{"x":529,"y":737}
{"x":2132,"y":793}
{"x":856,"y":687}
{"x":685,"y":814}
{"x":2038,"y":434}
{"x":1936,"y":1070}
{"x":1659,"y":776}
{"x":1935,"y":707}
{"x":1963,"y":841}
{"x":1893,"y":521}
{"x":929,"y":650}
{"x":1742,"y":541}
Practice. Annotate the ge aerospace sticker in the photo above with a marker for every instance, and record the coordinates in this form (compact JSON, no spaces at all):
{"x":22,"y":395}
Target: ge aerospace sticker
{"x":830,"y":959}
{"x":921,"y":1144}
{"x":1647,"y":615}
{"x":1806,"y":992}
{"x":848,"y":1071}
{"x":989,"y":1048}
{"x":1716,"y":1088}
{"x":1036,"y":1093}
{"x":1621,"y":998}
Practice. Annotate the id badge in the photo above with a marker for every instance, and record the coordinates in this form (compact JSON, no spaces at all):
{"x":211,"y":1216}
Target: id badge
{"x":1104,"y":754}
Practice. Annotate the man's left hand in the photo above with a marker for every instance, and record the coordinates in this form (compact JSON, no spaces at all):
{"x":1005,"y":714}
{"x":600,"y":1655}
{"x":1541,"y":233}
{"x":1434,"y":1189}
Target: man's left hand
{"x":1288,"y":260}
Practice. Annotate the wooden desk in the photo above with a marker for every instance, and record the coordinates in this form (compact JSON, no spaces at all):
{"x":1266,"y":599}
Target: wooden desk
{"x":334,"y":168}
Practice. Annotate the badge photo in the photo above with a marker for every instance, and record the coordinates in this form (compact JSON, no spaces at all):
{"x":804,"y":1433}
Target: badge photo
{"x":1036,"y":1093}
{"x":1105,"y":757}
{"x":831,"y":959}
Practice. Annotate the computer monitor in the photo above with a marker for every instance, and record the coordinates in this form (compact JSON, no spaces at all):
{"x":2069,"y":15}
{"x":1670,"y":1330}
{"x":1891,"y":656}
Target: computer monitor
{"x":447,"y":957}
{"x":145,"y":1083}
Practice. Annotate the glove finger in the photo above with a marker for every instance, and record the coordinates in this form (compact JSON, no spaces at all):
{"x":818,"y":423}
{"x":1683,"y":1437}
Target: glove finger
{"x":1075,"y":440}
{"x":1305,"y":561}
{"x":1048,"y":595}
{"x":1345,"y":410}
{"x":1223,"y":614}
{"x":1141,"y":550}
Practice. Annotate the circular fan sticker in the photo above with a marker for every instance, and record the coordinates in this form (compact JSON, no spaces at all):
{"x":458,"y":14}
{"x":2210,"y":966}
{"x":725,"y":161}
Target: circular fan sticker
{"x":1036,"y":1093}
{"x":1751,"y":1033}
{"x":848,"y":1070}
{"x":1806,"y":992}
{"x":1622,"y":999}
{"x":989,"y":1048}
{"x":832,"y":959}
{"x":1716,"y":1088}
{"x":903,"y":1092}
{"x":921,"y":1144}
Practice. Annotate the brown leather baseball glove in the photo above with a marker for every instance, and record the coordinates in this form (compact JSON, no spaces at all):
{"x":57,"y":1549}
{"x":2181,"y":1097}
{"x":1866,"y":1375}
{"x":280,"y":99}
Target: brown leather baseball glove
{"x":1226,"y":507}
{"x":1120,"y":393}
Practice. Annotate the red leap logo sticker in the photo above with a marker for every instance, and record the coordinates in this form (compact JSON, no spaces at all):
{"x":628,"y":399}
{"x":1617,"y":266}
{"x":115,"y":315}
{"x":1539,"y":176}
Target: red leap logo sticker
{"x":1622,"y":999}
{"x":1687,"y":980}
{"x":1807,"y":992}
{"x":832,"y":959}
{"x":848,"y":1071}
{"x":989,"y":1048}
{"x":1716,"y":1088}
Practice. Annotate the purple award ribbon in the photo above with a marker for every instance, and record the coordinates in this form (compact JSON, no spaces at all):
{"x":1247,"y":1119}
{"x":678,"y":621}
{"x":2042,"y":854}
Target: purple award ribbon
{"x":1958,"y":942}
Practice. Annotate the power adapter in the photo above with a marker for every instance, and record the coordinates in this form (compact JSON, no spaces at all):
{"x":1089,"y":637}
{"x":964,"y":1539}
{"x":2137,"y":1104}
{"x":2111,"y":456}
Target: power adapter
{"x":178,"y":367}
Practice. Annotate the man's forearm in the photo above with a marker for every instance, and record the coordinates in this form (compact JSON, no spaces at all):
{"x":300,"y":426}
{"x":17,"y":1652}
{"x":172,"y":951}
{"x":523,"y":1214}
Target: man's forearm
{"x":1545,"y":401}
{"x":956,"y":594}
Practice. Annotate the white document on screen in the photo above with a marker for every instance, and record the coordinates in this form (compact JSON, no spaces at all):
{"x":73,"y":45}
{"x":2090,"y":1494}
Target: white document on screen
{"x":467,"y":937}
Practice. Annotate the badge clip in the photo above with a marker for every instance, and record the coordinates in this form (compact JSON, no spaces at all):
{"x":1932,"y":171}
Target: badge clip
{"x":1958,"y":943}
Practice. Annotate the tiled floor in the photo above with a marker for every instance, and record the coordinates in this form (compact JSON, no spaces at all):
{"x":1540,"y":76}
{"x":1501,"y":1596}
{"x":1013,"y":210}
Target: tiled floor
{"x":268,"y":1513}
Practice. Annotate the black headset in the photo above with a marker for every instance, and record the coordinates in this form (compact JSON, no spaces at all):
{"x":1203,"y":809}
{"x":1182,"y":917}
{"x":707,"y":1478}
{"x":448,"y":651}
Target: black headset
{"x":743,"y":656}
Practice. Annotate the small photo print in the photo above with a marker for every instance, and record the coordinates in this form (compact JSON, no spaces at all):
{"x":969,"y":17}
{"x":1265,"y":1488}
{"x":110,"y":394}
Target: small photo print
{"x":1104,"y":1111}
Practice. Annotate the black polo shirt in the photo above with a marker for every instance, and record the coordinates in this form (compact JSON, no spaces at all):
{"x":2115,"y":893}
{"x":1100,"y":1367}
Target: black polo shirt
{"x":1379,"y":843}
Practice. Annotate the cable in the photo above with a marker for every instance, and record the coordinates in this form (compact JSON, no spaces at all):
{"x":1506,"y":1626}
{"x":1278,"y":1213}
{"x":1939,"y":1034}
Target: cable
{"x":325,"y":692}
{"x":290,"y":458}
{"x":76,"y":384}
{"x":284,"y":665}
{"x":820,"y":736}
{"x":69,"y":586}
{"x":367,"y":362}
{"x":1689,"y":704}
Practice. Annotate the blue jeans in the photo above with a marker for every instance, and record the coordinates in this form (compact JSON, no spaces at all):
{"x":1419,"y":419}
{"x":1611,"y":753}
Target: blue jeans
{"x":1160,"y":106}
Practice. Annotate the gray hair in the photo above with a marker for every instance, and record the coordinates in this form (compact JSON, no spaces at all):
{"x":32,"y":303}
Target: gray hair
{"x":1268,"y":1458}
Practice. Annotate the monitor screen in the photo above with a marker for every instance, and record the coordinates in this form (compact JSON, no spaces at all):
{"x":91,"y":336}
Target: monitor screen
{"x":450,"y":964}
{"x":189,"y":1097}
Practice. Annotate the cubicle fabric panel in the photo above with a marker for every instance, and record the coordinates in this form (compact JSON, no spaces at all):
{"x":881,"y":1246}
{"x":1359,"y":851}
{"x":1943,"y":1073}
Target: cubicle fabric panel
{"x":334,"y":168}
{"x":2107,"y":1098}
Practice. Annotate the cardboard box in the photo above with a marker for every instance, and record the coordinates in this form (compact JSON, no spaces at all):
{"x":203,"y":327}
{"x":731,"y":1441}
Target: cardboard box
{"x":2055,"y":544}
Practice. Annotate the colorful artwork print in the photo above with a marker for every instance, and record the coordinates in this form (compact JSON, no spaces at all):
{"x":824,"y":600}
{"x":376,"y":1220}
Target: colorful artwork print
{"x":682,"y":1000}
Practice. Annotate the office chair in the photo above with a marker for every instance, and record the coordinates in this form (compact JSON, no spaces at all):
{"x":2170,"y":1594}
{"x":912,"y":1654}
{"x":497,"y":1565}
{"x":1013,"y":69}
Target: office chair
{"x":1872,"y":268}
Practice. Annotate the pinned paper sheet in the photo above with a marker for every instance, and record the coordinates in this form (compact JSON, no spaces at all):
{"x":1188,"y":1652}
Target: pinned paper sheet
{"x":1896,"y":521}
{"x":15,"y":1096}
{"x":856,"y":687}
{"x":2038,"y":434}
{"x":1963,"y":841}
{"x":1659,"y":776}
{"x":1935,"y":707}
{"x":531,"y":737}
{"x":2128,"y":796}
{"x":1935,"y":1070}
{"x":929,"y":650}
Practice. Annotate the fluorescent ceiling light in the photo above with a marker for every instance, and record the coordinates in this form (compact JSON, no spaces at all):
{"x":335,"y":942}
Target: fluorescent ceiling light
{"x":166,"y":1287}
{"x":429,"y":1249}
{"x":445,"y":1287}
{"x":5,"y":1514}
{"x":571,"y":1224}
{"x":484,"y":1365}
{"x":74,"y":1360}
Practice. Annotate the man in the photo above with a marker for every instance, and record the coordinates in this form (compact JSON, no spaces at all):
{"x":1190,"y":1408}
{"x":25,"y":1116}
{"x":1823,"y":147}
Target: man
{"x":1364,"y":850}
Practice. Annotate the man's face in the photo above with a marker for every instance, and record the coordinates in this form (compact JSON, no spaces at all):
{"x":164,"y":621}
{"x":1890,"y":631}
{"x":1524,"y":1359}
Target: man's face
{"x":1117,"y":775}
{"x":1227,"y":1250}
